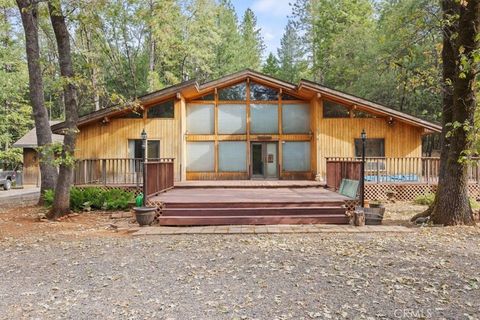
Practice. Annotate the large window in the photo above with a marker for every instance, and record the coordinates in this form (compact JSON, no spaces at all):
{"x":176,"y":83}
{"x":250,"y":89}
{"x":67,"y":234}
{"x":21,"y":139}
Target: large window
{"x":232,"y":118}
{"x":264,"y":118}
{"x":334,"y":110}
{"x":201,"y":156}
{"x":135,"y":149}
{"x":261,"y":92}
{"x":200,"y":118}
{"x":296,"y":156}
{"x":373,"y":148}
{"x":232,"y":156}
{"x":296,"y":118}
{"x":162,"y":110}
{"x":236,"y":92}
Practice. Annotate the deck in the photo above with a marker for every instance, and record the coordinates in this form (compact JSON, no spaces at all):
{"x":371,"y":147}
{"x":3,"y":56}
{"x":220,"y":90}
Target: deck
{"x":280,"y":204}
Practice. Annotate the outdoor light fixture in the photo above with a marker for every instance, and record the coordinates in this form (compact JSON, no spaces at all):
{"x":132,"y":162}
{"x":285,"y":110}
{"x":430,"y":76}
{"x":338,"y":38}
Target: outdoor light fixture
{"x":143,"y":136}
{"x":363,"y":135}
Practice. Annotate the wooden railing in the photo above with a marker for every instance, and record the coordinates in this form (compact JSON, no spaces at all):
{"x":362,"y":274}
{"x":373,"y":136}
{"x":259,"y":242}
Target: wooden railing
{"x":115,"y":171}
{"x":407,"y":169}
{"x":160,"y":176}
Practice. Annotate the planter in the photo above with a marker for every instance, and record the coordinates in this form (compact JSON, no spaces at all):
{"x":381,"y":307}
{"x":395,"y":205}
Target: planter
{"x":374,"y":215}
{"x":145,"y":215}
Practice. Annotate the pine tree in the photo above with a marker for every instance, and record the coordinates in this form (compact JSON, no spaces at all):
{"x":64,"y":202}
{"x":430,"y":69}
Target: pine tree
{"x":271,"y":66}
{"x":226,"y":52}
{"x":251,"y":44}
{"x":290,"y":55}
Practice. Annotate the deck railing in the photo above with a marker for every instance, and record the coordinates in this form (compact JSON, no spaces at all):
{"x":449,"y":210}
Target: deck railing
{"x":160,"y":176}
{"x":407,"y":169}
{"x":116,"y":171}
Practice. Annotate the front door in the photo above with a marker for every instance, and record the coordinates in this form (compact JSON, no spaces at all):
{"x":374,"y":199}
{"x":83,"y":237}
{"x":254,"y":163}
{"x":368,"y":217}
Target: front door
{"x":264,"y":160}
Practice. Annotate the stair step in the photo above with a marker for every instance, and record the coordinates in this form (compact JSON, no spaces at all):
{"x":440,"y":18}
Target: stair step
{"x":332,"y":203}
{"x":244,"y":220}
{"x":264,"y":211}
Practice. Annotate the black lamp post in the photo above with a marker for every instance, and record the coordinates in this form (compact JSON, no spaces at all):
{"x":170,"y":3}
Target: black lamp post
{"x":362,"y":173}
{"x":143,"y":135}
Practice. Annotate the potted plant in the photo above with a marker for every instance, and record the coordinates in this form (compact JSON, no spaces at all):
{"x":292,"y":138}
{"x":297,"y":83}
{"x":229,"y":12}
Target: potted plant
{"x":143,"y":214}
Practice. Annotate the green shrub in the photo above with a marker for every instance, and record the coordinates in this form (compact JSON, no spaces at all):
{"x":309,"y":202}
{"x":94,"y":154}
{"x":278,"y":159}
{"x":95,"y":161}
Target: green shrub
{"x":93,"y":198}
{"x":428,"y":198}
{"x":48,"y":197}
{"x":425,"y":199}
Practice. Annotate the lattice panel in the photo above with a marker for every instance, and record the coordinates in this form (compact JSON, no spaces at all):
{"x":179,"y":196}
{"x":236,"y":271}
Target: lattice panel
{"x":136,"y":190}
{"x":408,"y":192}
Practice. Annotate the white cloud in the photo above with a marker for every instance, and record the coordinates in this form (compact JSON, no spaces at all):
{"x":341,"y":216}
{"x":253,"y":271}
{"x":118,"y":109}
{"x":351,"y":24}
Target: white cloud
{"x":273,"y":7}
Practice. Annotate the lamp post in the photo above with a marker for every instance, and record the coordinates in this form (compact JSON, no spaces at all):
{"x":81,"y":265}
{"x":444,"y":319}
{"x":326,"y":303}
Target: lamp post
{"x":363,"y":135}
{"x":143,"y":135}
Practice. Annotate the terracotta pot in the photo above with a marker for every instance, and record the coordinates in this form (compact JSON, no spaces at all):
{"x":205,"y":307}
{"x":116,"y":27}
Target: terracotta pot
{"x":145,"y":215}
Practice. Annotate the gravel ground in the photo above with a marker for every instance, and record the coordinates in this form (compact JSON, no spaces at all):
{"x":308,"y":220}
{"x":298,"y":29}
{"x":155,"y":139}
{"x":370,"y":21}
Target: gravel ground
{"x":87,"y":272}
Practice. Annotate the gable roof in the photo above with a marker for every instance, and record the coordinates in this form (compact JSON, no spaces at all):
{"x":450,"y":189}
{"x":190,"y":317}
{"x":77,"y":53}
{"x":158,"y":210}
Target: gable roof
{"x":305,"y":88}
{"x":29,"y":140}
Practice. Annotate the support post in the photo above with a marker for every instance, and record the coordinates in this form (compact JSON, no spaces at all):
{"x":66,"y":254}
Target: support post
{"x":362,"y":168}
{"x":144,"y":155}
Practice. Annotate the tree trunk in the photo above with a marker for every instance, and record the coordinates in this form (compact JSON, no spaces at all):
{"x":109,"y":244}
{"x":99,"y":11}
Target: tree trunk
{"x":61,"y":204}
{"x":48,"y":171}
{"x":451,"y":205}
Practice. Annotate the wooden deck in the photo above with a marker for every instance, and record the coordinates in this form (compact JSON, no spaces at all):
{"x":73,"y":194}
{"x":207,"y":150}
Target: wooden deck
{"x":227,"y":206}
{"x":249,"y":184}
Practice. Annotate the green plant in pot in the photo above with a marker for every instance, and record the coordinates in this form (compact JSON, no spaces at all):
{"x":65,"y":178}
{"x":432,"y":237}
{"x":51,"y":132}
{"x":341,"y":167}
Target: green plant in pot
{"x":143,"y":214}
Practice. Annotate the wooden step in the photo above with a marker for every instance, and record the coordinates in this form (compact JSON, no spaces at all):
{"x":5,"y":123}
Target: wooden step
{"x":254,"y":204}
{"x":244,"y":220}
{"x":264,"y":211}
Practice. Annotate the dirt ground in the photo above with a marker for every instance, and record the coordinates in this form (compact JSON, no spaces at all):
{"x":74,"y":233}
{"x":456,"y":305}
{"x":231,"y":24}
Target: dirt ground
{"x":83,"y":268}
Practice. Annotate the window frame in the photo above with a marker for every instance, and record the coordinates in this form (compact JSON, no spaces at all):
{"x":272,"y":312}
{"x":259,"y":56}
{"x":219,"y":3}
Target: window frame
{"x":359,"y":142}
{"x":149,"y":109}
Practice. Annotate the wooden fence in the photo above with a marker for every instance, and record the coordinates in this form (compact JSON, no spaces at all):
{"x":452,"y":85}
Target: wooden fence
{"x":424,"y":170}
{"x":160,"y":176}
{"x":117,"y":171}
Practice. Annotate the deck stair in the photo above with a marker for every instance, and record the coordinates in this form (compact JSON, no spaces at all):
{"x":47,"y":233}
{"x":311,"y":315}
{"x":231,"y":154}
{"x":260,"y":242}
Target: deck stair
{"x":258,"y":211}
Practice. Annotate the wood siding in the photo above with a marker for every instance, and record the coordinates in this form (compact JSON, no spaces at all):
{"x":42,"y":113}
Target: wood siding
{"x":329,"y":138}
{"x":110,"y":140}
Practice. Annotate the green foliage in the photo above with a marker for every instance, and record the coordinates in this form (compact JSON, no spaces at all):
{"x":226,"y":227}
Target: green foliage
{"x":425,"y":199}
{"x":92,"y":198}
{"x":13,"y":156}
{"x":428,"y":198}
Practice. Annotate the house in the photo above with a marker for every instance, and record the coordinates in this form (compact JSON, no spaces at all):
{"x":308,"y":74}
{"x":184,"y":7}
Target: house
{"x":248,"y":125}
{"x":31,"y":170}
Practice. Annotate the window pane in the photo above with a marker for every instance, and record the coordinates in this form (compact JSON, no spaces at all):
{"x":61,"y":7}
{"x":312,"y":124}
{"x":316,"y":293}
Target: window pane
{"x":264,"y":118}
{"x":296,"y":156}
{"x":286,"y":96}
{"x":153,"y":149}
{"x":296,"y":118}
{"x":334,"y":110}
{"x":162,"y":110}
{"x":232,"y":156}
{"x":200,"y":156}
{"x":200,"y":118}
{"x":209,"y":96}
{"x":362,"y":114}
{"x":236,"y":92}
{"x":260,"y":92}
{"x":232,"y":118}
{"x":373,"y":148}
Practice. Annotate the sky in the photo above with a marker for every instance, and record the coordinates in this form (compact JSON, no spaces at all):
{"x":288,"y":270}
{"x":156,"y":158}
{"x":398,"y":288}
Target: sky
{"x":272,"y":17}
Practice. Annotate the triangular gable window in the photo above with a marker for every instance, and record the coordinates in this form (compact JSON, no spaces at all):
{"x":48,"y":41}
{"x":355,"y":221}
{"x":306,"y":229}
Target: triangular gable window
{"x":286,"y":96}
{"x":362,"y":114}
{"x":260,"y":92}
{"x":236,"y":92}
{"x":208,"y":97}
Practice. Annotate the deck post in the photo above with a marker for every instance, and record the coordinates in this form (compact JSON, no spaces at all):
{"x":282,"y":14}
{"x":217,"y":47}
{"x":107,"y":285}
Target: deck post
{"x":144,"y":153}
{"x":362,"y":168}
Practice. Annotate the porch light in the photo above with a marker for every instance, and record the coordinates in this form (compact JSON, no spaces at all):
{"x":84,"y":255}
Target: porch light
{"x":363,"y":135}
{"x":143,"y":135}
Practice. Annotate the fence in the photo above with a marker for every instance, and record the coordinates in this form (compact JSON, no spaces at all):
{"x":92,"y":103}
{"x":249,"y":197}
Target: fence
{"x":115,"y":171}
{"x":423,"y":170}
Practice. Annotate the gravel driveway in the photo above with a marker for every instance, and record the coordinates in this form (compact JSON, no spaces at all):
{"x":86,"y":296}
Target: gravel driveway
{"x":432,"y":273}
